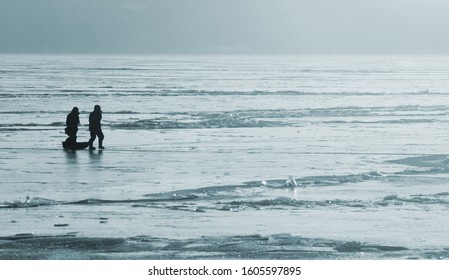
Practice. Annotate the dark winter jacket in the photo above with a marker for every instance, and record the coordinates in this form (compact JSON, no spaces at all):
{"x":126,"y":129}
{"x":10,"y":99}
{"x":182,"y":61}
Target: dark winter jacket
{"x":72,"y":121}
{"x":95,"y":120}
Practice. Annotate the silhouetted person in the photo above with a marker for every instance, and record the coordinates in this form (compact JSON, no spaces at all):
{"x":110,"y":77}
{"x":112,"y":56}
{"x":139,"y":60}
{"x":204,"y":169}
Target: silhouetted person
{"x":95,"y":128}
{"x":72,"y":122}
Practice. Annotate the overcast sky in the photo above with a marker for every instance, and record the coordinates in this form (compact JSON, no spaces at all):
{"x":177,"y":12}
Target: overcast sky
{"x":225,"y":26}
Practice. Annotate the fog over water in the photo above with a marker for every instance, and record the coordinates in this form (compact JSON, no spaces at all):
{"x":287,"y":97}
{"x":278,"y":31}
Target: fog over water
{"x":234,"y":26}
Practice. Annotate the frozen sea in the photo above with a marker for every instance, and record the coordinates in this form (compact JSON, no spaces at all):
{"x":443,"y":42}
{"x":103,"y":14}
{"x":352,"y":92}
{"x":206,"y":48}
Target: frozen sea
{"x":226,"y":157}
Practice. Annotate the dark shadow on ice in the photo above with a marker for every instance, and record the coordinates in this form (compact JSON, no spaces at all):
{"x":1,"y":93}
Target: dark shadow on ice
{"x":276,"y":246}
{"x":70,"y":156}
{"x":95,"y":155}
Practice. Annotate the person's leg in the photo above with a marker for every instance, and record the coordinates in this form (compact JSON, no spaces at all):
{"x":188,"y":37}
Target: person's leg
{"x":72,"y":136}
{"x":100,"y":139}
{"x":91,"y":140}
{"x":71,"y":139}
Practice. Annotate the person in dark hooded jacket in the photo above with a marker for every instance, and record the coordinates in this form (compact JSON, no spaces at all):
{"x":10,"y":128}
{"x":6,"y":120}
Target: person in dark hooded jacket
{"x":95,"y":128}
{"x":72,"y":122}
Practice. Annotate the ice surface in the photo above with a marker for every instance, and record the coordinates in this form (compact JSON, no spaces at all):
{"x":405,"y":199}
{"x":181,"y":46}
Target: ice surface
{"x":226,"y":157}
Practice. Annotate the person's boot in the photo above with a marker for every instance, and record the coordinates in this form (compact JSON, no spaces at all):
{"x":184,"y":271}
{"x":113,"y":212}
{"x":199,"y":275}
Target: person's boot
{"x":91,"y":147}
{"x":100,"y":144}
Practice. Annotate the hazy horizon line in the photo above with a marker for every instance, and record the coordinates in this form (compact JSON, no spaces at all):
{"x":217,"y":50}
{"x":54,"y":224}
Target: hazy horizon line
{"x":228,"y":53}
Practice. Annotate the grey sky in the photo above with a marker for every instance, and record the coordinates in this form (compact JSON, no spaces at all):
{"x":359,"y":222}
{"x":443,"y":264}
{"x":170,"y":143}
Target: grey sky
{"x":225,"y":26}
